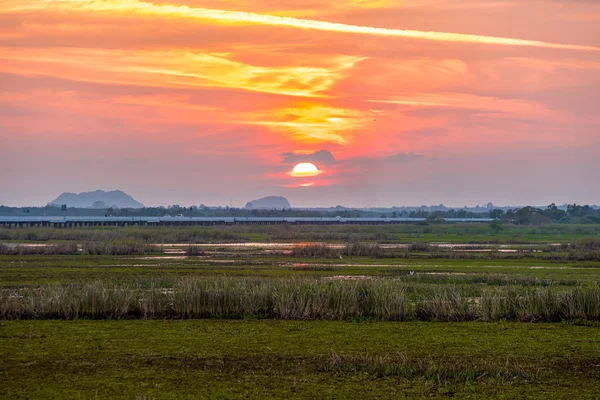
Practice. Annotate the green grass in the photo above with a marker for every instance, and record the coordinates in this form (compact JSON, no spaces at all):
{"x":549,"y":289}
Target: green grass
{"x":406,"y":233}
{"x":32,"y":270}
{"x":278,"y":359}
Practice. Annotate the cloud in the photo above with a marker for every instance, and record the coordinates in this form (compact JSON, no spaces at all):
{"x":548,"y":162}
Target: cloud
{"x":405,"y":157}
{"x":241,"y":17}
{"x":321,"y":157}
{"x":175,"y":69}
{"x":311,"y":123}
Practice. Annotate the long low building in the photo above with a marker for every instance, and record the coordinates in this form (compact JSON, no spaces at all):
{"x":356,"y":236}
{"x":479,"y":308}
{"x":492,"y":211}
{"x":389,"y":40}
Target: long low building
{"x":184,"y":221}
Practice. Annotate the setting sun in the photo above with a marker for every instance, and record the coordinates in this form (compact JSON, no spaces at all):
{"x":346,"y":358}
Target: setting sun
{"x":305,"y":169}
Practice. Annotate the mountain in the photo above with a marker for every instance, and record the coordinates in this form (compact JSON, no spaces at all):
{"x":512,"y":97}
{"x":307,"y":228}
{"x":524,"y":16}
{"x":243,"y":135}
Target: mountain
{"x":268,"y":203}
{"x":97,"y":199}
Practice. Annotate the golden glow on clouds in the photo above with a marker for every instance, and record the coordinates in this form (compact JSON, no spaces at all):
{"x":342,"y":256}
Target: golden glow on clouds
{"x":242,"y":17}
{"x":174,"y":69}
{"x":309,"y":123}
{"x":304,"y":170}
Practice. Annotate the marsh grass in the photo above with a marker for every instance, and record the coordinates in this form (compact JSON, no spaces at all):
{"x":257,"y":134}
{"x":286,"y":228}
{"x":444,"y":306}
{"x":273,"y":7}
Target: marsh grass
{"x":407,"y":233}
{"x":152,"y":234}
{"x":315,"y":251}
{"x":298,"y":299}
{"x":372,"y":250}
{"x":56,"y":249}
{"x":424,"y":250}
{"x":119,"y":247}
{"x":355,"y":249}
{"x":318,"y":268}
{"x":490,"y":279}
{"x":113,"y":247}
{"x":542,"y":304}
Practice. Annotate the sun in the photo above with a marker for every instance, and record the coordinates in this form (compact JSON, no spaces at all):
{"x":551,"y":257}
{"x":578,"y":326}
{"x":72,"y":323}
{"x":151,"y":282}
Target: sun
{"x":305,"y":169}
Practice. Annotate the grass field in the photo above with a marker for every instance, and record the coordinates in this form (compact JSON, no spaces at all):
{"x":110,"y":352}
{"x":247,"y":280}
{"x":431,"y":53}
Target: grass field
{"x":457,"y":233}
{"x":298,"y":359}
{"x":300,"y":312}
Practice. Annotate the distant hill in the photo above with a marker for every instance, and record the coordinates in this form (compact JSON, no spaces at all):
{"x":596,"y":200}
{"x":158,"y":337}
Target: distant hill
{"x":97,"y":199}
{"x":268,"y":203}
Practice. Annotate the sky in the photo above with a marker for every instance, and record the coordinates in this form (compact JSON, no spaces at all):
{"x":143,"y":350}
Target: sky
{"x":396,"y":102}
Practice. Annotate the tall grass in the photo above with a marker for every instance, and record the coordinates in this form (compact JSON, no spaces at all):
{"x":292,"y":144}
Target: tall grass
{"x":338,"y":233}
{"x":227,"y":297}
{"x":114,"y":247}
{"x":119,"y":247}
{"x":55,"y":249}
{"x":354,"y":249}
{"x":153,"y":234}
{"x":315,"y":250}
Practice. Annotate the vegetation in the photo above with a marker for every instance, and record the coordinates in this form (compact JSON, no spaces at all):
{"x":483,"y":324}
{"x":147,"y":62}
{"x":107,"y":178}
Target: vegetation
{"x":119,"y":247}
{"x":339,"y":299}
{"x":115,"y":247}
{"x":57,"y":249}
{"x":355,"y":249}
{"x":570,"y":214}
{"x":400,"y":233}
{"x":296,"y":359}
{"x":312,"y":311}
{"x":194,"y":251}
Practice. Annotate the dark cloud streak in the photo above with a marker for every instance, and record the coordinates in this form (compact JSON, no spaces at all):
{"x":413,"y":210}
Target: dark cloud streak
{"x":321,"y":157}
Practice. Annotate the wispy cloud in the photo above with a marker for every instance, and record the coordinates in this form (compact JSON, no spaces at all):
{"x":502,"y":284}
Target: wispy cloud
{"x":175,"y":69}
{"x":242,"y":17}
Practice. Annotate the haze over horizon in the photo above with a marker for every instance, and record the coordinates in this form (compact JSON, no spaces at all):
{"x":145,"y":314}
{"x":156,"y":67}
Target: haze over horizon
{"x":395,"y":102}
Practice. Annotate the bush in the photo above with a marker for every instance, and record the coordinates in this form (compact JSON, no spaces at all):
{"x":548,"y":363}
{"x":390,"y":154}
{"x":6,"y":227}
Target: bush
{"x":119,"y":247}
{"x":194,"y":251}
{"x":55,"y":249}
{"x":315,"y":250}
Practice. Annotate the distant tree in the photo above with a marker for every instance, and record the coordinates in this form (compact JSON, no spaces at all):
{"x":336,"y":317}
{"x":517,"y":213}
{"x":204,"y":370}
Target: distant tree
{"x":496,"y":226}
{"x":435,"y":218}
{"x":554,"y":213}
{"x":63,"y":207}
{"x":496,"y":214}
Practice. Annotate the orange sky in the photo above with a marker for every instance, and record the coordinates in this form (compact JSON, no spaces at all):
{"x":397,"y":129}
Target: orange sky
{"x":199,"y":101}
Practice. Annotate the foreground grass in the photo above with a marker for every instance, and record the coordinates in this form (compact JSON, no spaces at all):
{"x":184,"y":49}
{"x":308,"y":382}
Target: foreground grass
{"x":294,"y":359}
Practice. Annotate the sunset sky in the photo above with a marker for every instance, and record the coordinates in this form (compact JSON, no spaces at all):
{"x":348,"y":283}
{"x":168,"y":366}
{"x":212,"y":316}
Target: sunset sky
{"x":397,"y":102}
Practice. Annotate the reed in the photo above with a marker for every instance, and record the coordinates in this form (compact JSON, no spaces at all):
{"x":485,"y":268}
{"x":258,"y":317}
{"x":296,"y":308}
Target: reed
{"x":354,"y":249}
{"x":325,"y":299}
{"x":194,"y":251}
{"x":55,"y":249}
{"x":119,"y":247}
{"x":315,"y":251}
